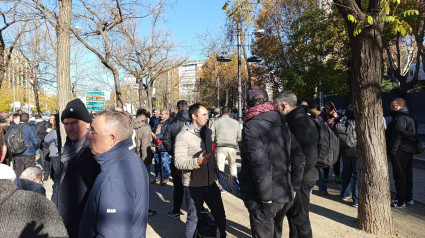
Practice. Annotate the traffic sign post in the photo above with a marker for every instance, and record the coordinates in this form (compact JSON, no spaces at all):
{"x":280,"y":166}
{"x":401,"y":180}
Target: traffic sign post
{"x":95,"y":101}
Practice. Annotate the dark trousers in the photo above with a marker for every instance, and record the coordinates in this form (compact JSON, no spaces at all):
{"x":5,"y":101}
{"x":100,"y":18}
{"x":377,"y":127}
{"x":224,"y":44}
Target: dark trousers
{"x":46,"y":164}
{"x":178,"y":188}
{"x":403,"y":175}
{"x":350,"y":170}
{"x":22,"y":162}
{"x":336,"y":168}
{"x":55,"y":167}
{"x":266,"y":219}
{"x":195,"y":198}
{"x":298,"y":214}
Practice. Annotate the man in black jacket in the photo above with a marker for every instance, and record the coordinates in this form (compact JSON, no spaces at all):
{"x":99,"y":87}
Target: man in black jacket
{"x":272,"y":165}
{"x":78,"y":169}
{"x":401,"y":145}
{"x":169,"y":141}
{"x":307,"y":135}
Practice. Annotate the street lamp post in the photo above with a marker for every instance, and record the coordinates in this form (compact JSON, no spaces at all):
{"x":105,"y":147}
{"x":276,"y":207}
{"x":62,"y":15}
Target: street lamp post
{"x":238,"y":30}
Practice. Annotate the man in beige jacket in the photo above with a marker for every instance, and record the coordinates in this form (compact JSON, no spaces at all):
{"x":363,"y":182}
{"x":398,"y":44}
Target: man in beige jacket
{"x":194,"y":156}
{"x":226,"y":133}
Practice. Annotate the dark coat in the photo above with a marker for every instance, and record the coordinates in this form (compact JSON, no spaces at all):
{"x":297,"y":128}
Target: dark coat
{"x":401,"y":132}
{"x":153,"y":122}
{"x":27,"y":185}
{"x":272,"y":159}
{"x":160,"y":135}
{"x":305,"y":130}
{"x":76,"y":178}
{"x":118,"y":203}
{"x":170,"y":134}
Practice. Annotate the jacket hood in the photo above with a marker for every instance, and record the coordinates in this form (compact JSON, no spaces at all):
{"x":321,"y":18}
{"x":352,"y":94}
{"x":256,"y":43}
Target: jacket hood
{"x":183,"y":116}
{"x":275,"y":118}
{"x":403,"y":110}
{"x":137,"y":123}
{"x":7,"y":189}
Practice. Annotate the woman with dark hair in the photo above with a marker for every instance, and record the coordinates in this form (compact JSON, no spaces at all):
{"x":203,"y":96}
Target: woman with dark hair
{"x":52,"y":139}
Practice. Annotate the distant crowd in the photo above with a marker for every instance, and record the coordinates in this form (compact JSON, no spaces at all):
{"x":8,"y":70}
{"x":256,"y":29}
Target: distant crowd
{"x":101,"y":173}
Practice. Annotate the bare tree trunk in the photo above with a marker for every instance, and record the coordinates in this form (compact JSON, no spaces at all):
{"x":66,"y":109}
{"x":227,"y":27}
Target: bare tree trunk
{"x":117,"y":86}
{"x":36,"y":90}
{"x":63,"y":61}
{"x":227,"y":98}
{"x":374,"y":213}
{"x":2,"y":60}
{"x":149,"y":97}
{"x":140,"y":91}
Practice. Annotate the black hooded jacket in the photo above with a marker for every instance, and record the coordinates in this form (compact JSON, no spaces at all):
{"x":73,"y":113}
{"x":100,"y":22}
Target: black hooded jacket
{"x":272,"y":160}
{"x":305,"y":130}
{"x":174,"y":127}
{"x":401,"y":132}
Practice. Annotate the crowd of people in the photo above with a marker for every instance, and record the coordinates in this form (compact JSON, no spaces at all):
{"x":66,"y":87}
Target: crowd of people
{"x":101,"y":173}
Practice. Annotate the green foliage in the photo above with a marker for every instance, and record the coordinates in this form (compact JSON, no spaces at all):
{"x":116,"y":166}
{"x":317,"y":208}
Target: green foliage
{"x":387,"y":86}
{"x":318,"y":46}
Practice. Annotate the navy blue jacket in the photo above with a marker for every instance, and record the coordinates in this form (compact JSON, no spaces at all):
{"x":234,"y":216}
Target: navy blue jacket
{"x":27,"y":185}
{"x":118,"y":202}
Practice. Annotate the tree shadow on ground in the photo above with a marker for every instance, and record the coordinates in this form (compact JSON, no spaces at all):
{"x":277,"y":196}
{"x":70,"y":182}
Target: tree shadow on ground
{"x":237,"y":230}
{"x":336,"y":216}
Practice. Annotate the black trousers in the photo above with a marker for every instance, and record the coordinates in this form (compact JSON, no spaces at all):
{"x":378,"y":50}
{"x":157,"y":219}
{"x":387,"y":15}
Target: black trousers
{"x":178,"y":188}
{"x":336,"y":168}
{"x":403,"y":175}
{"x":298,"y":214}
{"x":22,"y":162}
{"x":266,"y":219}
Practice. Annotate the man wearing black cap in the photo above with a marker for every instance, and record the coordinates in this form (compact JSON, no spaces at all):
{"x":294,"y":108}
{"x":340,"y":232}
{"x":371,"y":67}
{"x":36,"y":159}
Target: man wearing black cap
{"x":272,"y":165}
{"x":78,"y":169}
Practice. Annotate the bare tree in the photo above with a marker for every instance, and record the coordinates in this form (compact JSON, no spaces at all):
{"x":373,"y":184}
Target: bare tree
{"x":12,"y":14}
{"x":147,"y":58}
{"x":33,"y":49}
{"x":98,"y":21}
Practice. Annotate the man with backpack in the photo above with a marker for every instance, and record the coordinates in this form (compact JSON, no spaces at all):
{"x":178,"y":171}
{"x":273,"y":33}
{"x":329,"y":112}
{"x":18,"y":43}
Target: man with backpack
{"x":22,"y":142}
{"x":345,"y":129}
{"x":304,"y":129}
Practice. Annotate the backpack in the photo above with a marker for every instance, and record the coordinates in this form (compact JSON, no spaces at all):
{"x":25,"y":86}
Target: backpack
{"x":327,"y":146}
{"x":15,"y":141}
{"x":346,"y":132}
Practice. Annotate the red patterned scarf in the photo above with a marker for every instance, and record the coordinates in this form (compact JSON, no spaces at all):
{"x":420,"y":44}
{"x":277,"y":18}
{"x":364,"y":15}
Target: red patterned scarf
{"x":253,"y":111}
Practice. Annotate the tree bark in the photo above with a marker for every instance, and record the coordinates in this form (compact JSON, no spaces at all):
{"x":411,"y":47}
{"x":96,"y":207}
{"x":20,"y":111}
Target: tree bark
{"x":63,"y":60}
{"x":374,"y":214}
{"x":117,"y":86}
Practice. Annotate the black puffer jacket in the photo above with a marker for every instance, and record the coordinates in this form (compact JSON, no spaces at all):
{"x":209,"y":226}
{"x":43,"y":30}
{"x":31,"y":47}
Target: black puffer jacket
{"x":175,"y":126}
{"x":272,"y":159}
{"x":305,"y":130}
{"x":401,"y":132}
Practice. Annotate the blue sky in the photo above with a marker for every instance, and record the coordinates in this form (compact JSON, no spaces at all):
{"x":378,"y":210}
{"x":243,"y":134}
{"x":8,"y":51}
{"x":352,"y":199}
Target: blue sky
{"x":189,"y":18}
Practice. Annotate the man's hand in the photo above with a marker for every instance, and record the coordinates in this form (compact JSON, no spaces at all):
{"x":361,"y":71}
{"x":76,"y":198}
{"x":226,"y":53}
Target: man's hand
{"x":203,"y":158}
{"x":295,"y":194}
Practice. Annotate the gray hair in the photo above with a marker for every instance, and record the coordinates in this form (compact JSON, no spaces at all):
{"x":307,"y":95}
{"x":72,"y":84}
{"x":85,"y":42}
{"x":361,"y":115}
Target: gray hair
{"x":286,"y":97}
{"x":31,"y":173}
{"x":118,"y":123}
